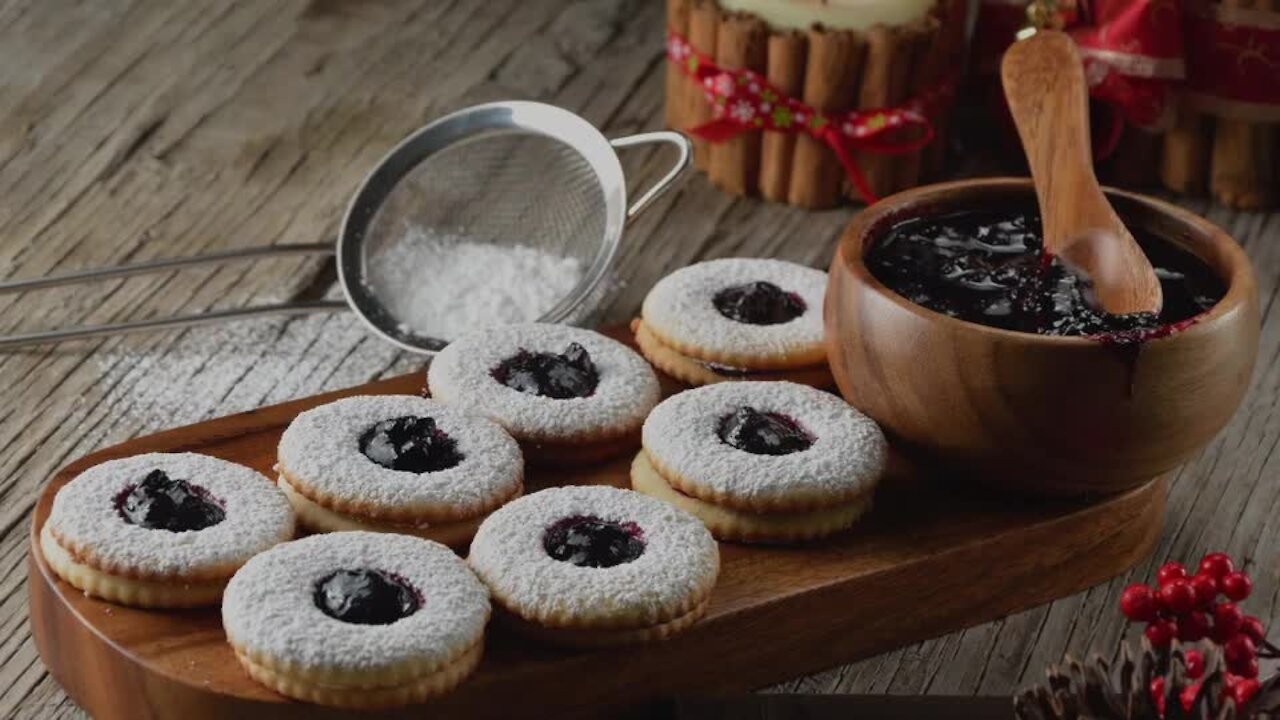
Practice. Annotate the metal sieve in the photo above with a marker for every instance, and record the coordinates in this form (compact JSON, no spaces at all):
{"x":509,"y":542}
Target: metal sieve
{"x":501,"y":174}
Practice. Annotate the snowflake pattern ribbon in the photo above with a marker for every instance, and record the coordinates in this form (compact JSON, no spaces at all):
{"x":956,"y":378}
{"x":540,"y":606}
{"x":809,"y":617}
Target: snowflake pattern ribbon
{"x":743,"y":101}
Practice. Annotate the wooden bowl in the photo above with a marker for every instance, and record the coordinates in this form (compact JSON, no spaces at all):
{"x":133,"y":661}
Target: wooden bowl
{"x":1037,"y":414}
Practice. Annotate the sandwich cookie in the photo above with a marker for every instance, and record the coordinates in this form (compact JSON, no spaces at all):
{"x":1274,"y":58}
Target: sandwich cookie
{"x":397,"y":463}
{"x":162,"y":530}
{"x":737,"y":319}
{"x":357,"y":619}
{"x":568,"y":395}
{"x":595,"y":566}
{"x":769,"y":462}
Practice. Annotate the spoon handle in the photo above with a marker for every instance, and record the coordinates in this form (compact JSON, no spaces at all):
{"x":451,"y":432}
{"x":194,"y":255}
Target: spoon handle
{"x":1045,"y":86}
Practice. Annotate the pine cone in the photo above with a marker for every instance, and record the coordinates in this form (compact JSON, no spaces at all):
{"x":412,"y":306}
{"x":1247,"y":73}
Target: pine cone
{"x":1095,"y":691}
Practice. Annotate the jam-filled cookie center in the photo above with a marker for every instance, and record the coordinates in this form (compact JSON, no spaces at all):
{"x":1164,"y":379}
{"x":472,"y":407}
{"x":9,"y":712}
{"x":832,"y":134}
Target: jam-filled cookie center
{"x":591,"y":542}
{"x":763,"y":433}
{"x":560,"y":376}
{"x":410,"y":444}
{"x":163,"y":503}
{"x":759,"y":303}
{"x":366,"y":597}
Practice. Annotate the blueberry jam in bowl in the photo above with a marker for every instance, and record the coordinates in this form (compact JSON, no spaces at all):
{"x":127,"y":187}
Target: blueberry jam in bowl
{"x":987,"y":362}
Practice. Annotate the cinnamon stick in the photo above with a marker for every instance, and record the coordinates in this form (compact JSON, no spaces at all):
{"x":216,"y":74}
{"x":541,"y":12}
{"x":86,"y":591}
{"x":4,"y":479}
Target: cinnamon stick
{"x":785,"y":72}
{"x":704,"y":21}
{"x":1185,"y":165}
{"x":677,"y":22}
{"x":1243,"y":175}
{"x":884,"y":84}
{"x":926,"y":66}
{"x":741,"y":44}
{"x":830,"y":84}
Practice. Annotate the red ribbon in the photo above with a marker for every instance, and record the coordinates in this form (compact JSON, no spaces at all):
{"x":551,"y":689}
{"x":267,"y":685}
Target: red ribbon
{"x":743,"y":101}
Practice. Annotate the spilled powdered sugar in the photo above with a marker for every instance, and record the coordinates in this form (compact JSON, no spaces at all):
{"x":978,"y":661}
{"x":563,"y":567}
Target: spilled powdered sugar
{"x":154,"y":382}
{"x":441,"y":285}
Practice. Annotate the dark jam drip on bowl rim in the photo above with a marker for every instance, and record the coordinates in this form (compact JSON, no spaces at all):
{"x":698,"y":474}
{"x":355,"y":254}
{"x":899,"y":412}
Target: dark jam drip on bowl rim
{"x":410,"y":444}
{"x":366,"y":597}
{"x":988,"y":267}
{"x":588,"y":541}
{"x":763,"y":433}
{"x":758,"y":303}
{"x":163,"y":503}
{"x":570,"y":374}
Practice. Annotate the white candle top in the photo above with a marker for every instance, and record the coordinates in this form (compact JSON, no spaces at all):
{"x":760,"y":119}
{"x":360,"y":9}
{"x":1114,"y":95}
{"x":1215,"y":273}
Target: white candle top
{"x":835,"y":14}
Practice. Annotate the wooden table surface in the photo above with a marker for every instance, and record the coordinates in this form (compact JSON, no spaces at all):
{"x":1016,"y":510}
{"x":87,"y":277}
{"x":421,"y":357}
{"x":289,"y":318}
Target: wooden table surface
{"x":137,"y":130}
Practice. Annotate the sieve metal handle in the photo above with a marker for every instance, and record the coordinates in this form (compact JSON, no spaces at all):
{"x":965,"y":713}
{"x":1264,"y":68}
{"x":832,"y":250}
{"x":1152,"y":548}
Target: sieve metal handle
{"x":683,"y":147}
{"x":153,"y":266}
{"x":8,"y":342}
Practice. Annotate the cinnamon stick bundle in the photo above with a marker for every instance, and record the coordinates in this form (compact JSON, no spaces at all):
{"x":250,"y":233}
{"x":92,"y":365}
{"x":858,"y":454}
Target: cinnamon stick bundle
{"x":832,"y":71}
{"x":676,"y":102}
{"x":835,"y":56}
{"x":787,"y":54}
{"x":741,"y":44}
{"x":704,"y":22}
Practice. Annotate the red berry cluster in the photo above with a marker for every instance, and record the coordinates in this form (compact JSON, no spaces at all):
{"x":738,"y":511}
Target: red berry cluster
{"x":1187,"y":608}
{"x":1240,"y":689}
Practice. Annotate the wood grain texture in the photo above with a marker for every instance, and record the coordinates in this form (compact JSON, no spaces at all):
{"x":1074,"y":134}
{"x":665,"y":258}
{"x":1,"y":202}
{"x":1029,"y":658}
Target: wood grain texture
{"x":150,"y":128}
{"x":774,"y":612}
{"x":1044,"y":84}
{"x":1037,"y":414}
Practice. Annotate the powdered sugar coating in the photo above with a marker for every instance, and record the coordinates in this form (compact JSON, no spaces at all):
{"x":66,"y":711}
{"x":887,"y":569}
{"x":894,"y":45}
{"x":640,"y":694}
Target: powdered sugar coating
{"x":628,"y":389}
{"x":679,"y":563}
{"x":846,"y":458}
{"x":85,"y":519}
{"x":269,"y":607}
{"x":321,"y":449}
{"x":680,"y":309}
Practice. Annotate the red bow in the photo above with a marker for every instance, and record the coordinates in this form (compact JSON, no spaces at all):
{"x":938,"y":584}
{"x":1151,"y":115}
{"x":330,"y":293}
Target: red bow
{"x":743,"y":101}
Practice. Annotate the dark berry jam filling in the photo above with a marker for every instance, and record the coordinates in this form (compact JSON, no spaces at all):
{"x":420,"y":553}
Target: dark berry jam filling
{"x":411,"y":444}
{"x":162,"y":503}
{"x":759,"y":303}
{"x":988,"y":267}
{"x":570,"y":374}
{"x":727,"y":370}
{"x":592,"y":542}
{"x":763,"y":433}
{"x":366,"y":597}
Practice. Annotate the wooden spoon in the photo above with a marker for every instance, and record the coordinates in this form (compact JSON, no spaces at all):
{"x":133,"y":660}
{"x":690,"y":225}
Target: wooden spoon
{"x":1044,"y":83}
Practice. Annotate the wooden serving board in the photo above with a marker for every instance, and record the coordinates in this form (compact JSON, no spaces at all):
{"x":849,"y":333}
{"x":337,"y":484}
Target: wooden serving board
{"x":934,"y":556}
